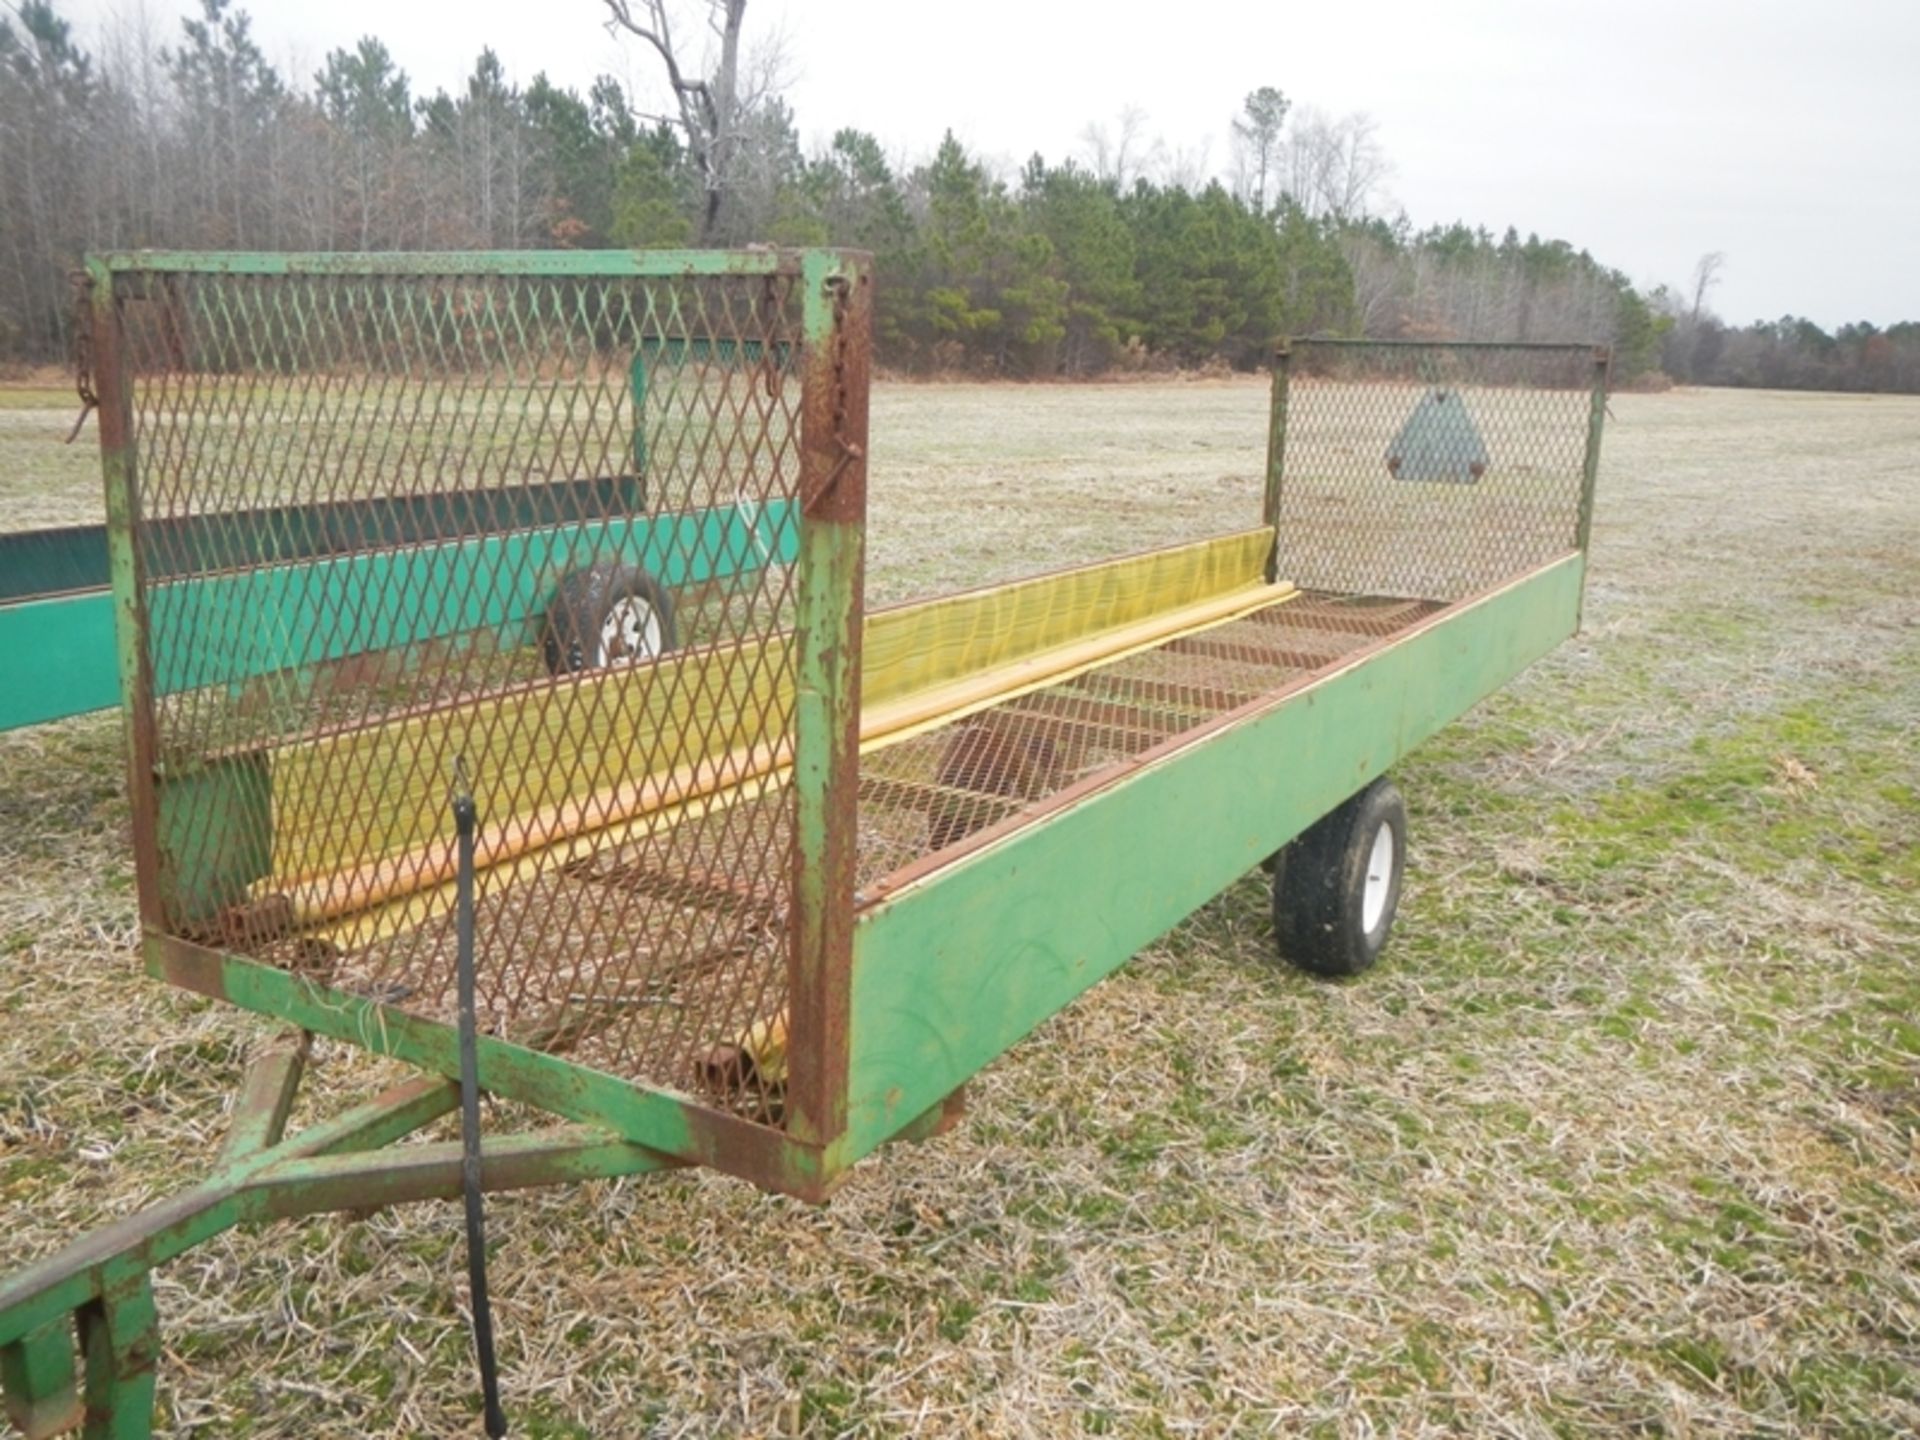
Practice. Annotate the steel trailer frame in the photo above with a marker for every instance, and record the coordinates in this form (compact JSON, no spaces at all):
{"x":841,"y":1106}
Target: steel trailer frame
{"x":899,"y":990}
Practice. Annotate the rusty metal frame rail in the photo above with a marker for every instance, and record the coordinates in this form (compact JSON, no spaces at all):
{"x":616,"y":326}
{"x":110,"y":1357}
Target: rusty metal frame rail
{"x":79,"y":1331}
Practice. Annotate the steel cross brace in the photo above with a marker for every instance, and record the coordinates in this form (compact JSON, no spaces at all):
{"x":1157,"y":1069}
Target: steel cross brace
{"x":79,"y":1333}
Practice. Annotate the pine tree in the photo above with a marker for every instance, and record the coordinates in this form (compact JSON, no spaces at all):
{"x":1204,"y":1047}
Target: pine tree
{"x":649,"y":205}
{"x":1094,"y":252}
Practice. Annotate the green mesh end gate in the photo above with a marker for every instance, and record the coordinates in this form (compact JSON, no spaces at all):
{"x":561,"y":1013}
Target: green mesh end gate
{"x":585,"y":525}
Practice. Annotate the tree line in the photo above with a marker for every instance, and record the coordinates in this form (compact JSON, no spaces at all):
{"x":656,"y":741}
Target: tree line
{"x":1791,"y":353}
{"x":1121,"y":257}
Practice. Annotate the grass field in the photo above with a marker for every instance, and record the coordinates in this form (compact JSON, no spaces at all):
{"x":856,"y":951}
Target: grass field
{"x":1621,"y":1138}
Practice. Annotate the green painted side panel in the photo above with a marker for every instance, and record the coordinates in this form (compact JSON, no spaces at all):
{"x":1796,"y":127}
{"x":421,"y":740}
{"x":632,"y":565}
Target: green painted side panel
{"x":257,"y":621}
{"x":952,"y":971}
{"x":57,"y":658}
{"x":214,"y":827}
{"x":40,"y":563}
{"x":36,"y":563}
{"x":223,"y":628}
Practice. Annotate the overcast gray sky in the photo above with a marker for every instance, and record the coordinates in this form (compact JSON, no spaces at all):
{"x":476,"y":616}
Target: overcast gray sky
{"x":1785,"y":133}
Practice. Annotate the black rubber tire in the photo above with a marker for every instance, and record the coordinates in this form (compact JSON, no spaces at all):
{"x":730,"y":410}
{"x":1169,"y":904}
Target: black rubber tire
{"x":572,"y":635}
{"x":1320,"y":884}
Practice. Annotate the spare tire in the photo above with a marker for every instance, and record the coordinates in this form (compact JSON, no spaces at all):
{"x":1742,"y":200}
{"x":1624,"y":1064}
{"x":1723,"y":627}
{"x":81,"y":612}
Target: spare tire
{"x":605,"y":615}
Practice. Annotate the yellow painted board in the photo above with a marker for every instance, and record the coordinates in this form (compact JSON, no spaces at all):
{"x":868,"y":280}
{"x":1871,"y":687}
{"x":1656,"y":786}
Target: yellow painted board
{"x":407,"y":890}
{"x":911,"y":649}
{"x":408,"y":912}
{"x":360,"y":821}
{"x":382,"y":791}
{"x":922,"y":710}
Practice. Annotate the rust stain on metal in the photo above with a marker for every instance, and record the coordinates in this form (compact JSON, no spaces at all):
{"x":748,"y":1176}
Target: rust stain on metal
{"x":833,"y":440}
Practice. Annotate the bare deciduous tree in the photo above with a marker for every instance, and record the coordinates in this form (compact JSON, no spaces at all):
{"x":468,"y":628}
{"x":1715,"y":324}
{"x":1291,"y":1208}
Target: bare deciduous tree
{"x":1706,"y":275}
{"x":1119,"y":155}
{"x":1380,"y":281}
{"x":709,"y":105}
{"x":1184,"y":167}
{"x":1334,"y":167}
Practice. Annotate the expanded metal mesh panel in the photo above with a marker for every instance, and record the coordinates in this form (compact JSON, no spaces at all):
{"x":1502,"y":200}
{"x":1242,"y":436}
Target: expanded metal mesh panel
{"x":941,"y":789}
{"x":538,"y":526}
{"x":1430,"y":471}
{"x":1410,"y":477}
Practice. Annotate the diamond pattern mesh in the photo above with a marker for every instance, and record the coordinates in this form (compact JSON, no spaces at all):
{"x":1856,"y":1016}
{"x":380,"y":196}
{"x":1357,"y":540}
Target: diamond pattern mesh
{"x":1431,"y":471}
{"x":951,"y":789}
{"x":1413,"y":476}
{"x":541,"y":525}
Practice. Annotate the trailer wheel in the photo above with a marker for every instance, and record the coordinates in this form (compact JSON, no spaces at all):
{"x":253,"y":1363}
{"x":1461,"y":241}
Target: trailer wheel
{"x":1336,"y":886}
{"x":607,"y":614}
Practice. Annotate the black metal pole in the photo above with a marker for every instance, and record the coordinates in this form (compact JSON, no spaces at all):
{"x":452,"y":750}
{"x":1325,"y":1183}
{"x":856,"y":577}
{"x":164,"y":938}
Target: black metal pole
{"x":465,"y":821}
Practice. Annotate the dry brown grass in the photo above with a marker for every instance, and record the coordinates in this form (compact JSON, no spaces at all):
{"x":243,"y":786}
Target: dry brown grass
{"x":1619,"y":1139}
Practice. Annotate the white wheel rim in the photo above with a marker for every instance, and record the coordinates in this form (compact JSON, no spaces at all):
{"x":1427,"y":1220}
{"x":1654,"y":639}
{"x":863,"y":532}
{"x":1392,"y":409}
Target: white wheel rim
{"x":631,"y":632}
{"x":1380,"y":862}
